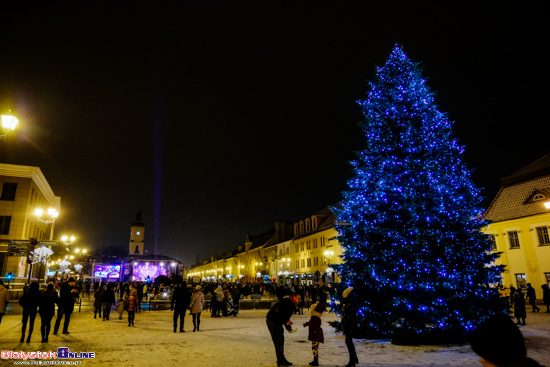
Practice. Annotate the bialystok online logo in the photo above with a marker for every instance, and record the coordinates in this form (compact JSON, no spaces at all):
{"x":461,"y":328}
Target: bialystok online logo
{"x":62,"y":353}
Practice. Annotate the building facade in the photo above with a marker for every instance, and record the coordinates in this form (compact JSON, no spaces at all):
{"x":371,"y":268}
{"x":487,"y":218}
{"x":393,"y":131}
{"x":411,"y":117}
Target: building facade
{"x":520,"y":216}
{"x":24,"y":189}
{"x":290,"y":253}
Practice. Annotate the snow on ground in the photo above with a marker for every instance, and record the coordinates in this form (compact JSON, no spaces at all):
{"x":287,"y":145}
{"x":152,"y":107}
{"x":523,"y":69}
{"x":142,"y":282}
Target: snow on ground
{"x":238,"y":341}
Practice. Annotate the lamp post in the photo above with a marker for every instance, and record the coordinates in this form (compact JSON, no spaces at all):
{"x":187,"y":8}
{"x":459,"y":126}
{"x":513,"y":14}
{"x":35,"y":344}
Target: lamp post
{"x":8,"y":123}
{"x":329,"y":270}
{"x":79,"y":253}
{"x":67,"y":241}
{"x":50,"y":218}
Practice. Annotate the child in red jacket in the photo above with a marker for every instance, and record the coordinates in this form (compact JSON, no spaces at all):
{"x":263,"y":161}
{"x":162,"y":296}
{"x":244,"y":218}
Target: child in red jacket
{"x":315,"y":331}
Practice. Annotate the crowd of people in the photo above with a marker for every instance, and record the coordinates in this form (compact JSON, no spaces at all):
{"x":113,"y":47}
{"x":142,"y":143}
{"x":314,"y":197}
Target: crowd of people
{"x":518,"y":305}
{"x":224,"y":297}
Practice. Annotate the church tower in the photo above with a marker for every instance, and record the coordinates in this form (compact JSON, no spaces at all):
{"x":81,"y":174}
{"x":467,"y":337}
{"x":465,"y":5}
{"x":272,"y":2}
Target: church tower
{"x":137,"y":232}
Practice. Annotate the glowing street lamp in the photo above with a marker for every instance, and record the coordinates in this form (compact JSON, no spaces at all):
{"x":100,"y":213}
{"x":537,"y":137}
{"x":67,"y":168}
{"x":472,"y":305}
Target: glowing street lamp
{"x":68,"y":240}
{"x":50,"y":218}
{"x":8,"y":123}
{"x":547,"y":205}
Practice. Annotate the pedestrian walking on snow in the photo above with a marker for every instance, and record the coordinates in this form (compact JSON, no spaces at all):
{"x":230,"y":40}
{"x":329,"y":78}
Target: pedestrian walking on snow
{"x":180,"y":302}
{"x":532,"y":297}
{"x":196,"y":305}
{"x":46,"y":305}
{"x":349,"y":323}
{"x":97,"y":302}
{"x":4,"y":299}
{"x":132,"y":303}
{"x":29,"y":301}
{"x":107,"y":300}
{"x":68,"y":293}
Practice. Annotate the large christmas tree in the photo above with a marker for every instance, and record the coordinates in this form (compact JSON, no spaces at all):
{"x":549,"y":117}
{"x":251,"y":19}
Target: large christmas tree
{"x":410,"y":221}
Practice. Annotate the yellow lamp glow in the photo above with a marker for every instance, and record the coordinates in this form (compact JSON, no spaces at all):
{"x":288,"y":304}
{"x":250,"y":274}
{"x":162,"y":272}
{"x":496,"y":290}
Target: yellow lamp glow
{"x":9,"y":122}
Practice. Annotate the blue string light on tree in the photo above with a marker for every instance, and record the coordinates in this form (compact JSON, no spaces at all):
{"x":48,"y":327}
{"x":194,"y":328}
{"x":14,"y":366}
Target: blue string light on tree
{"x":412,"y":239}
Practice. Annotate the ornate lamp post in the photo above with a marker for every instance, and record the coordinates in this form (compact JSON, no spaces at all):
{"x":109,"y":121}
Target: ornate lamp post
{"x":47,"y":218}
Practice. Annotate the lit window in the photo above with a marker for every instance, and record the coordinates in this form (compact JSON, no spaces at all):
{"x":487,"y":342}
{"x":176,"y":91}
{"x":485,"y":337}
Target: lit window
{"x":494,"y":241}
{"x":514,"y":239}
{"x":542,"y":233}
{"x":521,"y":281}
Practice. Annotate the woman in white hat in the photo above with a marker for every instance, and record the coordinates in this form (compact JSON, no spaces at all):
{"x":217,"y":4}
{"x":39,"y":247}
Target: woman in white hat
{"x":196,"y":305}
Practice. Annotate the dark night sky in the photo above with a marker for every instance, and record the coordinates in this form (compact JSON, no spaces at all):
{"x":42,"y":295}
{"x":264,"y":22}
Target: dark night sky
{"x":218,"y":120}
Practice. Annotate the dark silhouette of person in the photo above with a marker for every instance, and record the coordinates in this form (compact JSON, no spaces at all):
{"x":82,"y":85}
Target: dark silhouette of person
{"x":349,"y":323}
{"x":498,"y":342}
{"x":532,"y":297}
{"x":68,"y":293}
{"x":546,"y":297}
{"x":180,"y":302}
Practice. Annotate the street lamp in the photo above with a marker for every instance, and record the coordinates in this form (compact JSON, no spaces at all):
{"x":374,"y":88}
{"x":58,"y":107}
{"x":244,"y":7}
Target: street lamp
{"x":66,"y":240}
{"x":547,"y":205}
{"x":50,"y":218}
{"x":8,"y":123}
{"x":52,"y":215}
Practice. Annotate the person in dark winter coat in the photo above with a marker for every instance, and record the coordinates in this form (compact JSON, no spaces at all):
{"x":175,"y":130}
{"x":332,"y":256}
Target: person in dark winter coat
{"x":546,"y":297}
{"x":107,"y":299}
{"x":68,"y":293}
{"x":47,"y":302}
{"x":277,"y":317}
{"x":349,"y":323}
{"x":498,"y":342}
{"x":532,"y":297}
{"x":519,"y":307}
{"x":180,"y":302}
{"x":315,"y":334}
{"x":97,"y":302}
{"x":29,"y":301}
{"x":139,"y":289}
{"x":4,"y":299}
{"x":511,"y":298}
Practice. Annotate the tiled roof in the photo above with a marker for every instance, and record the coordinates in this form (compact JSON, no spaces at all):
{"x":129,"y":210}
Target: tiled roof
{"x":514,"y":199}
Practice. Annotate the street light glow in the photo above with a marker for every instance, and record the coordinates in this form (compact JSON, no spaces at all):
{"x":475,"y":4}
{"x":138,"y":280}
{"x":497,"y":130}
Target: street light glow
{"x":9,"y":122}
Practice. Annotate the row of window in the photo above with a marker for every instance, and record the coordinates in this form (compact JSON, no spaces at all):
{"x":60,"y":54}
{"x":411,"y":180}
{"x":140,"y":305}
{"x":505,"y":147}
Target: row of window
{"x":303,"y":246}
{"x":513,"y":238}
{"x":32,"y":230}
{"x":306,"y":263}
{"x":305,"y":226}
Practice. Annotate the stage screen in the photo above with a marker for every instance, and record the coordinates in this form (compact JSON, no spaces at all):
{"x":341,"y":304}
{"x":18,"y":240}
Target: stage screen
{"x":107,"y":271}
{"x":142,"y":271}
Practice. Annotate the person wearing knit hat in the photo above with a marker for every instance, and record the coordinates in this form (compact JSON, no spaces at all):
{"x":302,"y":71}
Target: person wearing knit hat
{"x":196,"y":306}
{"x":349,"y":323}
{"x":499,"y":343}
{"x":315,"y":334}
